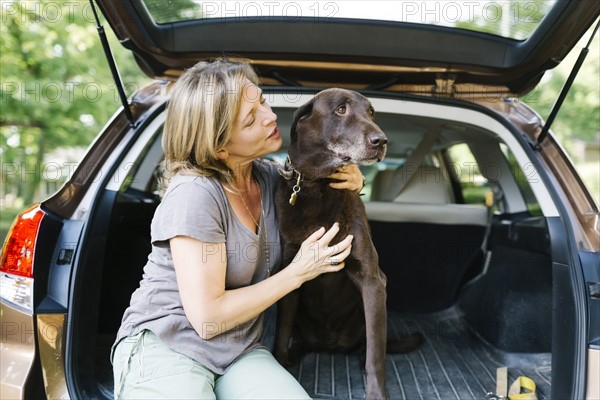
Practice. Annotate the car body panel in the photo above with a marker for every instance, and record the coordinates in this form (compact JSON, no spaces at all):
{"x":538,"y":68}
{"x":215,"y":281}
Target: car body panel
{"x":576,"y":195}
{"x":17,"y":350}
{"x":51,"y":341}
{"x":593,"y":388}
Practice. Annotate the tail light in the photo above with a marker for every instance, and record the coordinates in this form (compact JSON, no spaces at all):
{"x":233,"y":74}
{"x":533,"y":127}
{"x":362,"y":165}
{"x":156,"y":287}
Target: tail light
{"x":16,"y":263}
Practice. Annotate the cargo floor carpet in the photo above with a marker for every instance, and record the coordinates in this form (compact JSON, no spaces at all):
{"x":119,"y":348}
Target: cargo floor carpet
{"x":453,"y":363}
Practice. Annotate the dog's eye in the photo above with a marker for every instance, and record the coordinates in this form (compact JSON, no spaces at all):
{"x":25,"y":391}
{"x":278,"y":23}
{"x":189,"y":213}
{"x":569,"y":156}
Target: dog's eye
{"x":372,"y":112}
{"x":341,"y":110}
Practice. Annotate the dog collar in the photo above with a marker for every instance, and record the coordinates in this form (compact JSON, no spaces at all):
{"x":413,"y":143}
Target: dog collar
{"x":287,"y":172}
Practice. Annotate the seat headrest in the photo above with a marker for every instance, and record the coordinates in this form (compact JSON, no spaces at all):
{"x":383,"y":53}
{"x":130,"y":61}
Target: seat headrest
{"x":427,"y":185}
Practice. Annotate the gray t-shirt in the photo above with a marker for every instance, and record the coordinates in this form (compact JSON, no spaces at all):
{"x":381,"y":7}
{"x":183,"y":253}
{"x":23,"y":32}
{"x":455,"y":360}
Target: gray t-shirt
{"x":197,"y":207}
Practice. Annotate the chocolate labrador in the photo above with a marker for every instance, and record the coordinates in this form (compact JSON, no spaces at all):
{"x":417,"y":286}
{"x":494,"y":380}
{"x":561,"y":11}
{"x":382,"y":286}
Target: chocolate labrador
{"x":343,"y":311}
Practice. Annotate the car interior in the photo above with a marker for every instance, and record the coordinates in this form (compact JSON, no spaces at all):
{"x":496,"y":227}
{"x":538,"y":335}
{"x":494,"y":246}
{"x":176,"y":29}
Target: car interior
{"x":460,"y":234}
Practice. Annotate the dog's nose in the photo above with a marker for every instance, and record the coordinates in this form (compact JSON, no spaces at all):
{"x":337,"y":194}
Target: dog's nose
{"x":377,"y":139}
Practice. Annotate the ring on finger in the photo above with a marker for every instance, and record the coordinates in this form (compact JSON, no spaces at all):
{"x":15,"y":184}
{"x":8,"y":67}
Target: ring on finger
{"x":333,"y":261}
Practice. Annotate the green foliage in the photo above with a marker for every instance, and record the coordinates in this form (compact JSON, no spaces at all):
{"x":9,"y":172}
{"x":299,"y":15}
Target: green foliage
{"x":56,"y":88}
{"x":165,"y":11}
{"x":580,"y":114}
{"x":516,"y":19}
{"x":579,"y":117}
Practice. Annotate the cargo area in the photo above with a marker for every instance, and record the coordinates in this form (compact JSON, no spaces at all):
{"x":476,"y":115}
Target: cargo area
{"x":479,"y":282}
{"x":453,"y":363}
{"x":487,"y":312}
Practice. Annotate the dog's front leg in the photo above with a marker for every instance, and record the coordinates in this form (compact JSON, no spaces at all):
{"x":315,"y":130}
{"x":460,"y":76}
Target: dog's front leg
{"x":374,"y":299}
{"x":286,"y":313}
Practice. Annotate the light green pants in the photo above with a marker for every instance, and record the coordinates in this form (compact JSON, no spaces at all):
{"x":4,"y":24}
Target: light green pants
{"x":145,"y":368}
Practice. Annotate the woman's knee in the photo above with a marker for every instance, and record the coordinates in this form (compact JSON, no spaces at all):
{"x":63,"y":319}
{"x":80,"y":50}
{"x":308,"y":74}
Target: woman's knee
{"x":258,"y":375}
{"x":153,"y":370}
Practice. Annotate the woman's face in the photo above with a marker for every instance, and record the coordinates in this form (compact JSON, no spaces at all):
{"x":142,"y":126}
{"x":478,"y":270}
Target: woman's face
{"x":254,"y":133}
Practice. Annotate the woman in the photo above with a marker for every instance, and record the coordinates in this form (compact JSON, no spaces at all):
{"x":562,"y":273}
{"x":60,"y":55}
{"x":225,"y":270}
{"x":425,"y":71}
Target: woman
{"x":194,"y":325}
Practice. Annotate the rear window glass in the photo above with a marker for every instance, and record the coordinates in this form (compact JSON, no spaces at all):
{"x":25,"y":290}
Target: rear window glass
{"x":472,"y":184}
{"x":512,"y":19}
{"x":524,"y":174}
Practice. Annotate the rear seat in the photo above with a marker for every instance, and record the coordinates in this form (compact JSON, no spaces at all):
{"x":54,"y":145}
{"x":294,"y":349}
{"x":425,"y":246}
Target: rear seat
{"x":426,"y":198}
{"x":426,"y":243}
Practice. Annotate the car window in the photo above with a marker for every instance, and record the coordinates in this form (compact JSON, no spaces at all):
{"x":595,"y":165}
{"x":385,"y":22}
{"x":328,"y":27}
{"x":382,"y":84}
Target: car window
{"x":138,"y":172}
{"x":514,"y":19}
{"x":370,"y":172}
{"x":472,"y":186}
{"x":523,"y":176}
{"x":458,"y":172}
{"x":455,"y":169}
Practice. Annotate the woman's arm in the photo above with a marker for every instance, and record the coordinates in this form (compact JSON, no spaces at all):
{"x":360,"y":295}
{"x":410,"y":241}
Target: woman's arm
{"x":212,"y":310}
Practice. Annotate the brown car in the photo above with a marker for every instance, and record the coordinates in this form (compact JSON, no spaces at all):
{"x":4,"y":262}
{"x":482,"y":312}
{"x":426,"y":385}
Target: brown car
{"x":489,"y":238}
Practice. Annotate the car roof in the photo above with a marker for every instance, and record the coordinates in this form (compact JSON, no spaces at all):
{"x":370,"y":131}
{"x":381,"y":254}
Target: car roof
{"x":357,"y":53}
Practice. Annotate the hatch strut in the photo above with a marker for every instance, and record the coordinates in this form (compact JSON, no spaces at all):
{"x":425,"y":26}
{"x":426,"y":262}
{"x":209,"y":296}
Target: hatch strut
{"x":113,"y":67}
{"x":565,"y":89}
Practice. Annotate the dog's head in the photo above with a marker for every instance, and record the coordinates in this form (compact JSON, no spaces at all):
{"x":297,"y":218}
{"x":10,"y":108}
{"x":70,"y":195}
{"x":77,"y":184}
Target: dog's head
{"x":335,"y":128}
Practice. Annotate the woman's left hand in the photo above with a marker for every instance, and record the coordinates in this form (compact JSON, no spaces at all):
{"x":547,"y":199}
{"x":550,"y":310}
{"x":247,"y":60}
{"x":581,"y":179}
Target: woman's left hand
{"x":350,"y":178}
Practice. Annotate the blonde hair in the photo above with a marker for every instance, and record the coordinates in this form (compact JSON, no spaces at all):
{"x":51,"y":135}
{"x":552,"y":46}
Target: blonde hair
{"x":203,"y":107}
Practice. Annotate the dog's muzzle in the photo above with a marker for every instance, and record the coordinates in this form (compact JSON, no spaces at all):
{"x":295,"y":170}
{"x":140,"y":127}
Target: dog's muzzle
{"x":377,"y":139}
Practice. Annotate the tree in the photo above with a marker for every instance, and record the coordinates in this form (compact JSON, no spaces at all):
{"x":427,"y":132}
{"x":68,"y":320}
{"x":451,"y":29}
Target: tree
{"x":55,"y":86}
{"x":165,"y":11}
{"x":579,"y":116}
{"x":516,"y":19}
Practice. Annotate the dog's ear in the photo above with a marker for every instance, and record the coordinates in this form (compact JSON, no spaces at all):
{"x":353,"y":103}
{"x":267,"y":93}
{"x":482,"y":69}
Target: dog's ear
{"x":301,"y":113}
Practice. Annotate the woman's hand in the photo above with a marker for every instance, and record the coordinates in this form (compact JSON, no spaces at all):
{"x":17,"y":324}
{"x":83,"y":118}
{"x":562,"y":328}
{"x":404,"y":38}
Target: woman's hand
{"x":350,"y":176}
{"x":316,"y":256}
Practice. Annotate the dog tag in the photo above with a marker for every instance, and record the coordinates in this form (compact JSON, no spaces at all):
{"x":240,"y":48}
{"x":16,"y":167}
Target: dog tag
{"x":293,"y":198}
{"x":295,"y":190}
